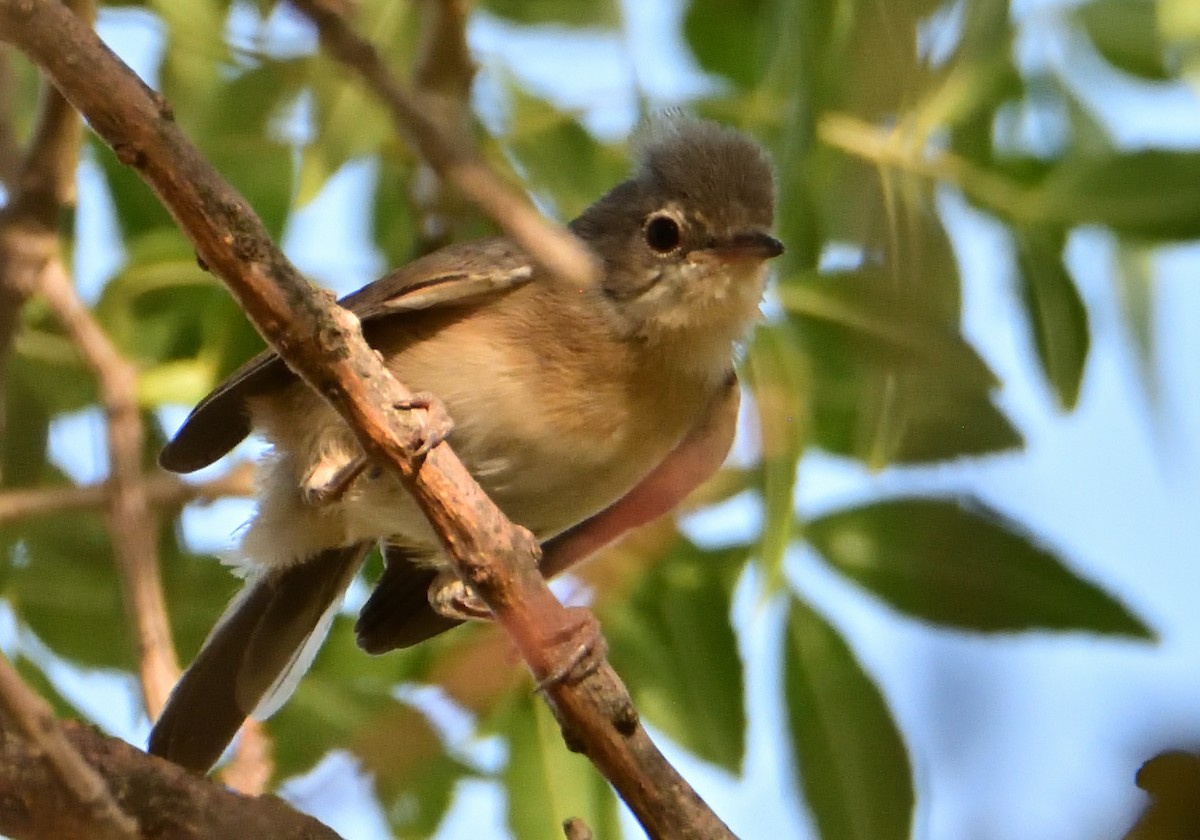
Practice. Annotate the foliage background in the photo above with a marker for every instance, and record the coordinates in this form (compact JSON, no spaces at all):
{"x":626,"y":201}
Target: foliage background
{"x":944,"y":586}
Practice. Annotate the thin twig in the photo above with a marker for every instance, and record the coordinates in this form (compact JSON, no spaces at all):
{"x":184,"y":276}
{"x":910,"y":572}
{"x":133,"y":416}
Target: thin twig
{"x":10,"y":152}
{"x":162,"y":490}
{"x":449,"y":150}
{"x":132,"y":524}
{"x":895,"y":149}
{"x":40,"y":187}
{"x":442,"y":77}
{"x":250,"y":769}
{"x":35,"y":719}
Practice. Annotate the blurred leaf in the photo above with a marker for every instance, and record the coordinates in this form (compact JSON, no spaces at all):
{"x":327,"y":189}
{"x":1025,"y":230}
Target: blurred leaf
{"x":966,"y":567}
{"x":63,"y":586}
{"x":557,"y":157}
{"x":1055,"y":310}
{"x":24,"y":434}
{"x":393,"y":225}
{"x":723,"y":36}
{"x":546,"y":782}
{"x":776,"y":371}
{"x":892,"y":381}
{"x":885,"y":324}
{"x":414,"y":776}
{"x":345,"y":700}
{"x":673,"y":644}
{"x":1126,"y":33}
{"x":1153,"y":194}
{"x":36,"y":679}
{"x":533,"y":12}
{"x":853,"y":765}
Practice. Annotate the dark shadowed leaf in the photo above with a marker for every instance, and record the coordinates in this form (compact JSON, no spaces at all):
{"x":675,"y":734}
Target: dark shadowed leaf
{"x":546,"y":782}
{"x":964,"y":566}
{"x":672,"y":642}
{"x":1055,"y":310}
{"x":853,"y":765}
{"x":721,"y":33}
{"x":24,"y":434}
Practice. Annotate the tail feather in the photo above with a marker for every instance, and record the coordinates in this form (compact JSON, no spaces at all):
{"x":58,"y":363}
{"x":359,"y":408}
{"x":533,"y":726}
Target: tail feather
{"x":254,"y":657}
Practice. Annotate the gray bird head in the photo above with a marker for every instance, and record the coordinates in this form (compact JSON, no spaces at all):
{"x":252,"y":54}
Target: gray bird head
{"x":685,"y":241}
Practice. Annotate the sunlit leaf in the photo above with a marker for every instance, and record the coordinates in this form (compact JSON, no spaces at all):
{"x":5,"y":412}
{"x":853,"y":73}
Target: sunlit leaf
{"x":964,"y":566}
{"x":854,"y":767}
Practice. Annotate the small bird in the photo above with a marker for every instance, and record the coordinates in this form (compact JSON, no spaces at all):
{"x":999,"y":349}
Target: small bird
{"x":581,"y":412}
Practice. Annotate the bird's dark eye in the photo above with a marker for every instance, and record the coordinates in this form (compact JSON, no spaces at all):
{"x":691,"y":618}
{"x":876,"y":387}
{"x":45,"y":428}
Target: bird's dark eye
{"x":663,"y":234}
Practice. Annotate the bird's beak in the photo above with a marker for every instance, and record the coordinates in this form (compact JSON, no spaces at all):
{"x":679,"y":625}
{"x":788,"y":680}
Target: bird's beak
{"x":751,"y":245}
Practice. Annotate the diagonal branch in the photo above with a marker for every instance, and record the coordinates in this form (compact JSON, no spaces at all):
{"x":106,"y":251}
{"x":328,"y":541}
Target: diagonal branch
{"x":447,"y":147}
{"x":131,"y":523}
{"x":33,"y":717}
{"x":324,"y":344}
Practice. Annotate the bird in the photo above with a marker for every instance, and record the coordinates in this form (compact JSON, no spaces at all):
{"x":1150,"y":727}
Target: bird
{"x":580,"y":411}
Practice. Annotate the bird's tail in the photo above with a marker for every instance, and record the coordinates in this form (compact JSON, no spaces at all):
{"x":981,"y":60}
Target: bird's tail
{"x":254,"y":657}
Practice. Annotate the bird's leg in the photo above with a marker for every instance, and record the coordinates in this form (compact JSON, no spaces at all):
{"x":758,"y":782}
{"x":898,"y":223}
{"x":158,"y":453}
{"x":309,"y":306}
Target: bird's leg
{"x":330,"y":478}
{"x":452,"y":598}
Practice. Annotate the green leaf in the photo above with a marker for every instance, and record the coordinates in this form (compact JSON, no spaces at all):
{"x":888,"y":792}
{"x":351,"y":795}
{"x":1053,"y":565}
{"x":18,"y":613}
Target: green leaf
{"x":415,"y":782}
{"x":1153,"y":194}
{"x":533,"y":12}
{"x":853,"y":764}
{"x":24,"y":434}
{"x":345,"y":701}
{"x":557,"y":157}
{"x":893,"y":382}
{"x":63,"y":585}
{"x":885,"y":324}
{"x":673,"y":643}
{"x":1055,"y":310}
{"x":965,"y":566}
{"x":546,"y":782}
{"x":777,"y":374}
{"x":723,"y":34}
{"x":1126,"y":33}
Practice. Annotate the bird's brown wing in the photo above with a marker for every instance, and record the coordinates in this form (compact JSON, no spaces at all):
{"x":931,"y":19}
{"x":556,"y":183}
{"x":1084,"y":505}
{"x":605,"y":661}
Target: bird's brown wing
{"x":398,"y":613}
{"x":454,"y":275}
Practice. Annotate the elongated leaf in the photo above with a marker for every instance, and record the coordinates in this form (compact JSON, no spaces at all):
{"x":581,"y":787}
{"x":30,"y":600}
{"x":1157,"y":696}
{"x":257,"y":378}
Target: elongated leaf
{"x":1056,"y":313}
{"x":893,"y":382}
{"x":853,"y":764}
{"x":546,"y":782}
{"x":777,"y":373}
{"x":673,"y":643}
{"x":1153,"y":194}
{"x":966,"y":567}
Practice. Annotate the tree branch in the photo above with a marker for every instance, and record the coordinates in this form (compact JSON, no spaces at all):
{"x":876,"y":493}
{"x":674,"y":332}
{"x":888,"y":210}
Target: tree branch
{"x":162,"y":490}
{"x":84,"y":787}
{"x":168,"y":802}
{"x":131,"y":523}
{"x":446,"y":145}
{"x":323,"y":343}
